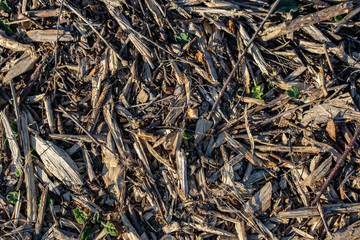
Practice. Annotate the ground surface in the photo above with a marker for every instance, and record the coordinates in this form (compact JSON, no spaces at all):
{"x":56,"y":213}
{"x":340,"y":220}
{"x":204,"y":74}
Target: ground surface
{"x":188,"y":119}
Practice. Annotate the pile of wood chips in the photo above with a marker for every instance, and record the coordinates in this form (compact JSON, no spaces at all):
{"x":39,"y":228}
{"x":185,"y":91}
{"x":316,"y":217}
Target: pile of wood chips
{"x":179,"y":119}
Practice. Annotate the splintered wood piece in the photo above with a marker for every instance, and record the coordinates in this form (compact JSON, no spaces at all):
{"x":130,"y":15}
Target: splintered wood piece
{"x":88,"y":164}
{"x":112,"y":173}
{"x":14,"y":147}
{"x":39,"y":14}
{"x":182,"y":171}
{"x":10,"y":43}
{"x":141,"y":154}
{"x":49,"y":35}
{"x":303,"y":21}
{"x":41,"y":211}
{"x":93,"y":119}
{"x":78,"y":138}
{"x":44,"y":179}
{"x":245,"y":152}
{"x":49,"y":114}
{"x":86,"y":202}
{"x":159,"y":158}
{"x":202,"y":126}
{"x":339,"y":108}
{"x":209,"y":229}
{"x":310,"y":212}
{"x":254,"y":51}
{"x":133,"y":35}
{"x":23,"y":64}
{"x":349,"y":232}
{"x":339,"y":51}
{"x":260,"y":202}
{"x":318,"y":173}
{"x":175,"y":111}
{"x":28,"y":170}
{"x":115,"y":129}
{"x":129,"y":228}
{"x":57,"y":161}
{"x":208,"y":59}
{"x":240,"y":230}
{"x":156,"y":10}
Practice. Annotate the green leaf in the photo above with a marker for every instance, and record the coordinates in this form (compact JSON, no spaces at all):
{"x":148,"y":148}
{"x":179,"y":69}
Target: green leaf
{"x":49,"y":203}
{"x":12,"y":197}
{"x":80,"y":216}
{"x":182,"y":38}
{"x":110,"y":229}
{"x":338,"y":18}
{"x":256,"y":89}
{"x":293,"y":92}
{"x":96,"y":217}
{"x":5,"y":6}
{"x":88,"y":231}
{"x":187,"y":135}
{"x":13,"y":125}
{"x":286,"y":6}
{"x":258,"y":95}
{"x":271,"y":85}
{"x":17,"y":173}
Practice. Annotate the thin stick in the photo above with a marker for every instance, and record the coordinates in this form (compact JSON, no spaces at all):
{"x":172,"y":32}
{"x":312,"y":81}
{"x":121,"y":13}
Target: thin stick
{"x":337,"y":166}
{"x":240,"y":59}
{"x":322,"y":216}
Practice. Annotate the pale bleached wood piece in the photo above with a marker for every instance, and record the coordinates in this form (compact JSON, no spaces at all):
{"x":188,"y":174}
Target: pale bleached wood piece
{"x":114,"y":128}
{"x":44,"y":179}
{"x":86,"y":202}
{"x":57,"y":161}
{"x":49,"y":35}
{"x":49,"y":114}
{"x":310,"y":212}
{"x":14,"y":147}
{"x":260,"y":202}
{"x":303,"y":21}
{"x":209,"y":229}
{"x":23,"y":64}
{"x":28,"y":170}
{"x":182,"y":171}
{"x":11,"y":44}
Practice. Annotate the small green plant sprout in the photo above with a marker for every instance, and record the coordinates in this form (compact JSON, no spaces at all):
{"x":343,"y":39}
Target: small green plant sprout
{"x":49,"y":202}
{"x":12,"y":197}
{"x":293,"y":92}
{"x":187,"y":135}
{"x":257,"y":91}
{"x":110,"y":229}
{"x":182,"y":38}
{"x":17,"y":173}
{"x":338,"y":18}
{"x":14,"y":129}
{"x":271,"y":85}
{"x":96,"y":217}
{"x":88,"y":231}
{"x":4,"y":6}
{"x":80,"y":216}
